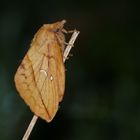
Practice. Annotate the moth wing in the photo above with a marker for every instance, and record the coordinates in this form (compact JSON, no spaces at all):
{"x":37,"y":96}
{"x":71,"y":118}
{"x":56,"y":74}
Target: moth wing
{"x":51,"y":81}
{"x":39,"y":84}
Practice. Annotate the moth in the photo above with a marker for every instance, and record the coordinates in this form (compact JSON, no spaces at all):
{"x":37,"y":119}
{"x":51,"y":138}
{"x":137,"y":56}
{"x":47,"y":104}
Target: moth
{"x":40,"y":78}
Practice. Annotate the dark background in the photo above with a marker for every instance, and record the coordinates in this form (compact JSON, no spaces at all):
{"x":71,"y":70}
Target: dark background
{"x":102,"y":93}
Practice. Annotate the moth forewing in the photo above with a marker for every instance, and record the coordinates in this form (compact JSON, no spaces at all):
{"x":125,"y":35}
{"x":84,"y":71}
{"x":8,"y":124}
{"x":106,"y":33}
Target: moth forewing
{"x":40,"y":78}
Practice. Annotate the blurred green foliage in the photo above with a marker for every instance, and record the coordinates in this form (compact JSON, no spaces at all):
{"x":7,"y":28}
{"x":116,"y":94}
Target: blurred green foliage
{"x":102,"y":94}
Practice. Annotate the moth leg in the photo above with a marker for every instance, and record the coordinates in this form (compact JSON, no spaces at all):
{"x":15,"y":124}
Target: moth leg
{"x":68,"y":44}
{"x":68,"y":32}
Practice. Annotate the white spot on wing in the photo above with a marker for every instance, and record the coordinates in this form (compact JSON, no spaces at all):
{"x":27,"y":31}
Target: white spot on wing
{"x":44,"y":71}
{"x":51,"y":78}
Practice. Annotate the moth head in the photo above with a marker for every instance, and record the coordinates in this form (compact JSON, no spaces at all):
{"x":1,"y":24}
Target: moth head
{"x":58,"y":26}
{"x":57,"y":29}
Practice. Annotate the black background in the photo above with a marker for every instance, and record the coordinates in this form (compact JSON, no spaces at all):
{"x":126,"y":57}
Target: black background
{"x":102,"y":93}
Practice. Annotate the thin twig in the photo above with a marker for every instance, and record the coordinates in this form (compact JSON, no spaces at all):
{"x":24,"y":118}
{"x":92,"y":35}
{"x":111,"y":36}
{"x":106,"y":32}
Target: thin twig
{"x":70,"y":44}
{"x":30,"y":127}
{"x":66,"y":53}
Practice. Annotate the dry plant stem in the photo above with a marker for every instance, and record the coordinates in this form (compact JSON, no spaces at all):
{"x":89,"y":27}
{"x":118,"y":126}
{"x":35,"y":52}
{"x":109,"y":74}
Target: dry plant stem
{"x":66,"y":53}
{"x":70,"y":44}
{"x":30,"y":127}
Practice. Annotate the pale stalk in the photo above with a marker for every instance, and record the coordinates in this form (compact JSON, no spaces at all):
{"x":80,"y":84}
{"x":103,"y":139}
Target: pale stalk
{"x":66,"y":53}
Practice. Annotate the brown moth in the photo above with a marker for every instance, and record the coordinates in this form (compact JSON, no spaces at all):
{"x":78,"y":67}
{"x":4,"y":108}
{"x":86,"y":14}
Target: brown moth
{"x":40,"y":78}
